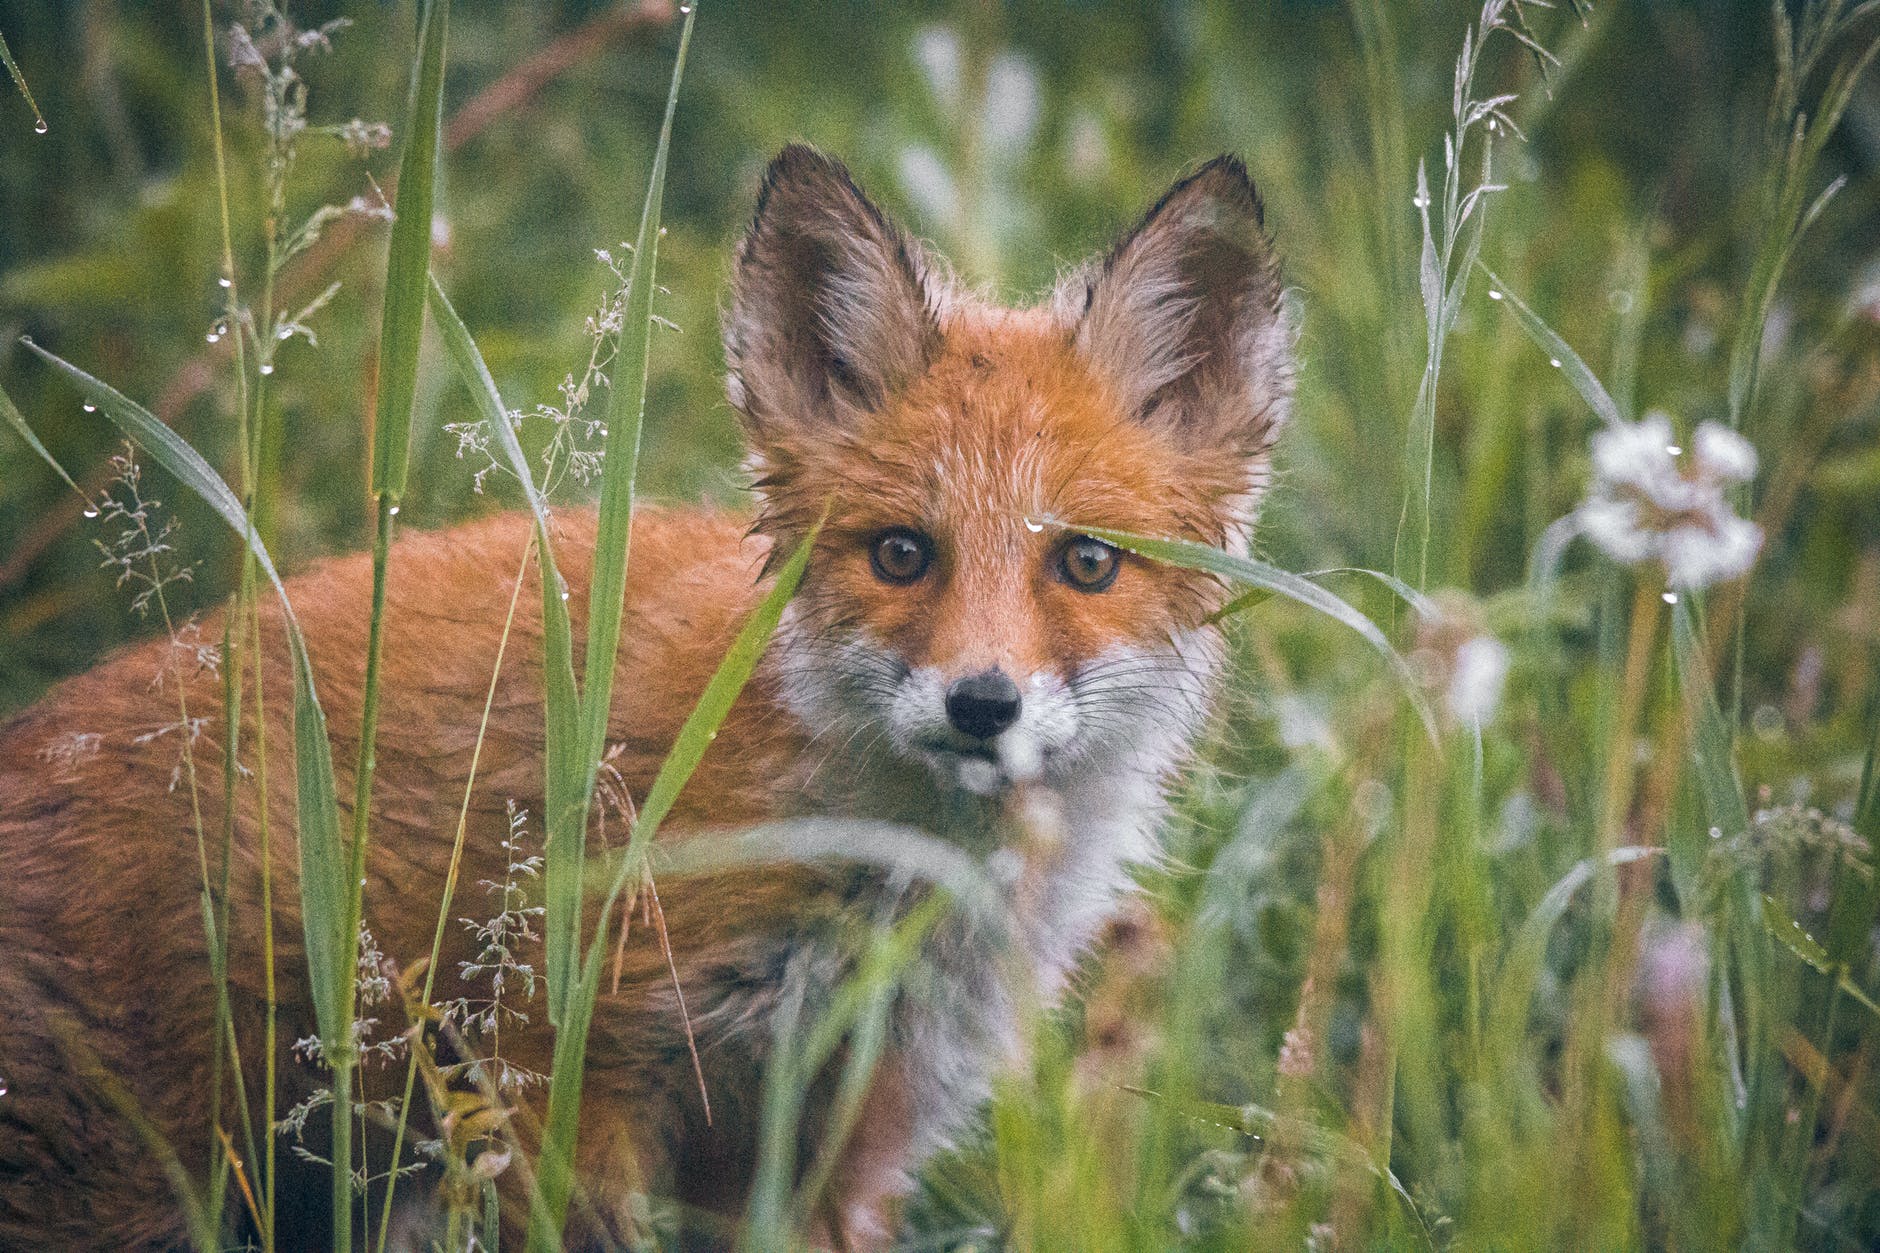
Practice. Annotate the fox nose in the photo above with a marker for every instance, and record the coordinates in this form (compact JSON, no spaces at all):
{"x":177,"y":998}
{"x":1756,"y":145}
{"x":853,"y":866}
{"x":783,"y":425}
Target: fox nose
{"x":983,"y":704}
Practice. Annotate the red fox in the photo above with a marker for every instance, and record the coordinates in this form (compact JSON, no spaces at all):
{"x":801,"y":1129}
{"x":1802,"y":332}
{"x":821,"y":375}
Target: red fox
{"x":953,"y":644}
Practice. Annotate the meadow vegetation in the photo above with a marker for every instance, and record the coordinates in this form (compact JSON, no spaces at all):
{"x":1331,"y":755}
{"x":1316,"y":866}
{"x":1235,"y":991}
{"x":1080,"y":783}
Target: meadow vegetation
{"x":1523,"y":895}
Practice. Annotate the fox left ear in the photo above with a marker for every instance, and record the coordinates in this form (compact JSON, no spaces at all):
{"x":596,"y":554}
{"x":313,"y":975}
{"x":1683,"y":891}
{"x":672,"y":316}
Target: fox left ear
{"x":830,"y":314}
{"x":1183,"y":318}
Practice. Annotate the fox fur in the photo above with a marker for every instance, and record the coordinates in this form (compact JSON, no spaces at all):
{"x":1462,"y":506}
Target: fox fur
{"x":1144,"y":394}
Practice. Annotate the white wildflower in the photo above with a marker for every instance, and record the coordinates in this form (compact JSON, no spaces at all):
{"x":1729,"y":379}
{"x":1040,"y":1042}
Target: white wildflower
{"x":1651,"y":502}
{"x":1476,"y":681}
{"x":1458,"y":660}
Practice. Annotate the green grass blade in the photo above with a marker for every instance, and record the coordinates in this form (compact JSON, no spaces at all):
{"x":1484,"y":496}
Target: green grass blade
{"x":408,"y":259}
{"x":1259,"y":574}
{"x":19,"y":80}
{"x":555,"y":1171}
{"x":567,"y":848}
{"x":626,"y":411}
{"x":1805,"y":948}
{"x":323,"y":870}
{"x":408,"y":262}
{"x":1591,"y":390}
{"x":701,"y":725}
{"x":564,"y":786}
{"x":1521,"y":966}
{"x":11,"y":413}
{"x":1718,"y":786}
{"x":1259,"y":595}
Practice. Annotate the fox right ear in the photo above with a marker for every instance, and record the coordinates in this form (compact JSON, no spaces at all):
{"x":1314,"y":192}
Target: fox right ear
{"x":1184,"y":317}
{"x":829,"y":312}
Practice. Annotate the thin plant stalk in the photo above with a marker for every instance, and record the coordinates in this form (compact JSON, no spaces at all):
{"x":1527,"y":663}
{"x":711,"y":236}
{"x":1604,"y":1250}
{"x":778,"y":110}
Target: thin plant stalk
{"x":242,"y":611}
{"x":1616,"y":791}
{"x":407,"y":276}
{"x":450,"y":889}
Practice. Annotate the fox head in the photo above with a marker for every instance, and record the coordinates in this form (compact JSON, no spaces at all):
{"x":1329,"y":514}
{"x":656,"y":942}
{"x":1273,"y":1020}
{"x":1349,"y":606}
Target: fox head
{"x":952,"y":613}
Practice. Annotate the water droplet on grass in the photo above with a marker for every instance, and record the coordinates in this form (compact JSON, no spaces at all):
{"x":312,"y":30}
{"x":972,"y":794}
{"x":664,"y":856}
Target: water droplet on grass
{"x":1671,"y":598}
{"x":393,"y":511}
{"x":1493,"y":294}
{"x":1674,"y":450}
{"x":90,"y":408}
{"x":91,"y":511}
{"x":212,"y":337}
{"x":267,"y":367}
{"x":1033,"y":526}
{"x":225,"y":283}
{"x":40,"y":127}
{"x":1554,"y":362}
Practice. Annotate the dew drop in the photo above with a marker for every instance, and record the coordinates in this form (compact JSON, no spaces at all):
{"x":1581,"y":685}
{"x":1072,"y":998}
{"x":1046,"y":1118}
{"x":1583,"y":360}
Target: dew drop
{"x":1493,"y":294}
{"x":284,"y":333}
{"x":564,"y":593}
{"x":685,"y":10}
{"x":1671,"y":598}
{"x":392,"y":512}
{"x":1554,"y":362}
{"x":1421,"y":202}
{"x":212,"y":337}
{"x":91,"y":511}
{"x":90,"y":408}
{"x":603,"y":432}
{"x":1674,"y":450}
{"x":662,"y":232}
{"x":267,"y":367}
{"x":1033,"y":527}
{"x":224,"y":283}
{"x":40,"y":127}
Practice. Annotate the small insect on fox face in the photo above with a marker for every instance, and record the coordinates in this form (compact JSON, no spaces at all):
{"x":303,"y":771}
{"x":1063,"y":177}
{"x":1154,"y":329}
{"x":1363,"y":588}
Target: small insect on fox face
{"x":954,"y":613}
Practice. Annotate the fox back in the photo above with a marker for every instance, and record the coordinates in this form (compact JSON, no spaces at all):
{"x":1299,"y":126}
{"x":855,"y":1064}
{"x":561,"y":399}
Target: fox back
{"x":963,"y":659}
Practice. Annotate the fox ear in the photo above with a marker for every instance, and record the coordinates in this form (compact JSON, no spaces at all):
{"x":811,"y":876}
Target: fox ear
{"x":1183,"y":317}
{"x":829,"y":313}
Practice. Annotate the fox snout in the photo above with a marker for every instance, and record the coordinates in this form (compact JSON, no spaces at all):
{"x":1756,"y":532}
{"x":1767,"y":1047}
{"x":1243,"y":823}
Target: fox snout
{"x":984,"y":704}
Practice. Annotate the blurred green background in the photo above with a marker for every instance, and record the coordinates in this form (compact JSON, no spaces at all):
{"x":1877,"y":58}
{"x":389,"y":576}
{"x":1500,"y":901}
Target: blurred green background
{"x":1018,"y":137}
{"x":1354,"y":888}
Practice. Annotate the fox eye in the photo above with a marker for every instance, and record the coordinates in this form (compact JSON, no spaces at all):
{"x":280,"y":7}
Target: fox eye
{"x":900,"y":555}
{"x":1089,"y":565}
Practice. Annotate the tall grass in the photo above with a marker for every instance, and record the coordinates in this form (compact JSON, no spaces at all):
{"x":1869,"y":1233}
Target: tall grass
{"x":1527,"y":937}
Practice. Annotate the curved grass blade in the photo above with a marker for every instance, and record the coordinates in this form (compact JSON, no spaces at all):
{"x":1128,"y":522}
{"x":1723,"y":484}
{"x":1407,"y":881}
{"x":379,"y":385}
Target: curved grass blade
{"x":408,"y":258}
{"x":626,"y":411}
{"x":17,"y":421}
{"x":1259,"y":595}
{"x":563,"y":785}
{"x":19,"y":80}
{"x":323,"y":886}
{"x":906,"y":852}
{"x":1521,"y":968}
{"x":1260,"y":1123}
{"x":1259,"y":574}
{"x":1563,"y":357}
{"x":1791,"y":935}
{"x":555,"y":1172}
